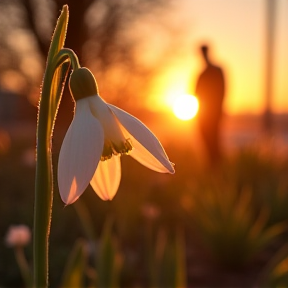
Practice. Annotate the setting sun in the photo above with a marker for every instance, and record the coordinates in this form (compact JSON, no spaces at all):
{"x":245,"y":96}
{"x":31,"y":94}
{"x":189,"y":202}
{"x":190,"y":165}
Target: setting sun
{"x":185,"y":107}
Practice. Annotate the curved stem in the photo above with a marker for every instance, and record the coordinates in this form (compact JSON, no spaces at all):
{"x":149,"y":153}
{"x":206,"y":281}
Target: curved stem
{"x":23,"y":265}
{"x":63,"y":55}
{"x":44,"y":169}
{"x":44,"y":175}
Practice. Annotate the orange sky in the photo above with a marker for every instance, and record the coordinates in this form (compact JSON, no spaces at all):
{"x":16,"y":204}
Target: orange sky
{"x":236,"y":31}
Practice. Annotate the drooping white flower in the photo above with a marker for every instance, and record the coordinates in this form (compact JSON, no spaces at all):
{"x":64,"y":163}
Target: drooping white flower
{"x":98,"y":135}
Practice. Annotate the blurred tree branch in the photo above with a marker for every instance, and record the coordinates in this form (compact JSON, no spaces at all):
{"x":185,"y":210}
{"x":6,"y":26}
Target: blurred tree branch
{"x":115,"y":16}
{"x":100,"y":32}
{"x":32,"y":26}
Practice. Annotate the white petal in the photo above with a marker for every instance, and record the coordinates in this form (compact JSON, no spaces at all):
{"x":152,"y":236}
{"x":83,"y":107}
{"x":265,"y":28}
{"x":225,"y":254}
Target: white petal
{"x":147,"y":148}
{"x":80,"y":153}
{"x":106,"y":179}
{"x":109,"y":123}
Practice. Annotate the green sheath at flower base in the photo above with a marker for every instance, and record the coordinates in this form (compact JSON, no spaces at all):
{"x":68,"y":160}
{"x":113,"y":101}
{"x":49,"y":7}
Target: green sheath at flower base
{"x":82,"y":84}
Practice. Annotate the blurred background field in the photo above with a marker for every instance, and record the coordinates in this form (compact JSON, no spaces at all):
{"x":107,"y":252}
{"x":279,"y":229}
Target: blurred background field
{"x":233,"y":221}
{"x":202,"y":227}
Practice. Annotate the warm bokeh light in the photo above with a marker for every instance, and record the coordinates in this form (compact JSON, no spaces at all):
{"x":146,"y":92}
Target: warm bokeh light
{"x":185,"y":107}
{"x":245,"y":91}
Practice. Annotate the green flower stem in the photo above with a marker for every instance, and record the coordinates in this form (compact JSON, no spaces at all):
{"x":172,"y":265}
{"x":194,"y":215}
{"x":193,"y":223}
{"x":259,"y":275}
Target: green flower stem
{"x":43,"y":181}
{"x":43,"y":187}
{"x":23,"y":265}
{"x":44,"y":169}
{"x":52,"y":88}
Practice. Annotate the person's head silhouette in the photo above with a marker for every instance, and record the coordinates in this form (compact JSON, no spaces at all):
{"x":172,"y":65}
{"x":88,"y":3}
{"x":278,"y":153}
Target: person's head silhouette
{"x":204,"y":51}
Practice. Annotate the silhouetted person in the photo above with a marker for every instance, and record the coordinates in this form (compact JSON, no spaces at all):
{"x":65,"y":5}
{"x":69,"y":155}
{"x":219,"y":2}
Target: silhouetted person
{"x":210,"y":90}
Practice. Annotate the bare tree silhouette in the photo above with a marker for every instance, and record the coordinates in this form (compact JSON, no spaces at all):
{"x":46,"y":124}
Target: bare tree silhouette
{"x":96,"y":33}
{"x":270,"y":14}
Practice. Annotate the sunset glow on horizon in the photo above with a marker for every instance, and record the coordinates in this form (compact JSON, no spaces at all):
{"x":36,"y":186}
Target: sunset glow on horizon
{"x":168,"y":61}
{"x":239,"y":48}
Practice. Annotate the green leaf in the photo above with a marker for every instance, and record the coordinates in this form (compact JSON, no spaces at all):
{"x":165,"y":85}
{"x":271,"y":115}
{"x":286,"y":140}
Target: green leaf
{"x":54,"y":78}
{"x":181,"y":275}
{"x":109,"y":260}
{"x":59,"y":35}
{"x":75,"y":267}
{"x":167,"y":275}
{"x":86,"y":220}
{"x":172,"y":266}
{"x":60,"y":74}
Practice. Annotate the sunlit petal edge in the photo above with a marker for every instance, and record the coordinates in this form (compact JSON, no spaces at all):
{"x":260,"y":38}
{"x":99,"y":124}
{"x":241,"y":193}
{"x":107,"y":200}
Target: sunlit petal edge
{"x":147,"y":140}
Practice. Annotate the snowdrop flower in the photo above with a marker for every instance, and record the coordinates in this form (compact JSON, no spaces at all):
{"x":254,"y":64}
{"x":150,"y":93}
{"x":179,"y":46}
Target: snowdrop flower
{"x":18,"y":235}
{"x":98,"y":135}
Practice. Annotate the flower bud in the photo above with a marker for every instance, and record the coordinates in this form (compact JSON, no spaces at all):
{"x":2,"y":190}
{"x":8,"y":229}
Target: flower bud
{"x":82,"y":84}
{"x":18,"y":235}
